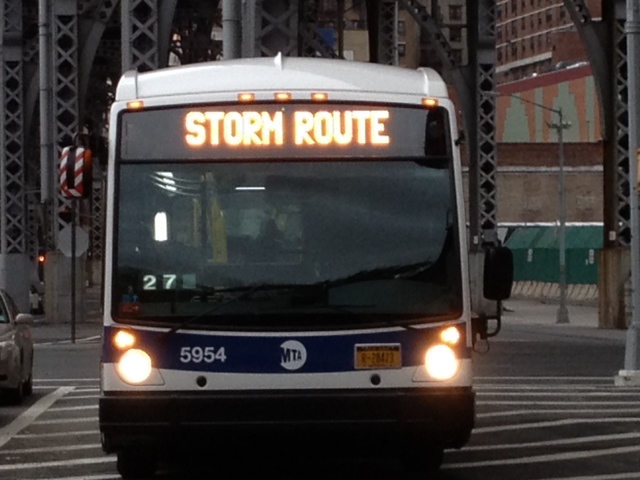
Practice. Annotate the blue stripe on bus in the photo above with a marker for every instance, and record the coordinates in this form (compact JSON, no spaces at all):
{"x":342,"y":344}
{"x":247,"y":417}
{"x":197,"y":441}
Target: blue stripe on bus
{"x":270,"y":354}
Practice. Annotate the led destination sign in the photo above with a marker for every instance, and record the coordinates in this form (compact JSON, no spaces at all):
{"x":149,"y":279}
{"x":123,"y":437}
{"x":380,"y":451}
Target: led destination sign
{"x":262,"y":128}
{"x":227,"y":132}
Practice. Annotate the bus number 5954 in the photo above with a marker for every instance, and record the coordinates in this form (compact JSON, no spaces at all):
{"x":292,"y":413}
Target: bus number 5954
{"x":199,"y":355}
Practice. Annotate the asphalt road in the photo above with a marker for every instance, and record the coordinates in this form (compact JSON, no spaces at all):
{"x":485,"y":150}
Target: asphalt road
{"x":547,"y":409}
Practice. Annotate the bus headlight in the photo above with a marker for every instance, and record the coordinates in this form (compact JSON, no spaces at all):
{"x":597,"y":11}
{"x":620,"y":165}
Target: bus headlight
{"x":441,"y":362}
{"x":134,"y":366}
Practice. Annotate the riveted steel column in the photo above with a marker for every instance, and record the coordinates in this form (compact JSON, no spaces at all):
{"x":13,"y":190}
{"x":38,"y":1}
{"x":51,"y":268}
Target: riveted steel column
{"x":607,"y":50}
{"x":630,"y":375}
{"x":270,"y":27}
{"x":63,"y":297}
{"x":66,"y":107}
{"x":481,"y":144}
{"x":140,"y":23}
{"x":311,"y":44}
{"x":606,"y":47}
{"x":388,"y":32}
{"x":14,"y":261}
{"x":482,"y":26}
{"x":93,"y":20}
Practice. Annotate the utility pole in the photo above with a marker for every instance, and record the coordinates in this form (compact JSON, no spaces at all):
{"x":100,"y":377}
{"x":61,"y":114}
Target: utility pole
{"x":562,"y":315}
{"x":631,"y":373}
{"x":563,"y":312}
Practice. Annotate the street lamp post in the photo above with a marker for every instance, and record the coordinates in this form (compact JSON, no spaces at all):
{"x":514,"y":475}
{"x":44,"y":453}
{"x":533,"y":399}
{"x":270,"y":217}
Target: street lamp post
{"x":563,"y":313}
{"x":559,"y":127}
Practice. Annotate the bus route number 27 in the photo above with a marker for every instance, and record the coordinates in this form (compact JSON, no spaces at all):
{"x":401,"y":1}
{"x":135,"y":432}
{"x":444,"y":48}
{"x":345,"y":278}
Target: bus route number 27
{"x":202,"y":354}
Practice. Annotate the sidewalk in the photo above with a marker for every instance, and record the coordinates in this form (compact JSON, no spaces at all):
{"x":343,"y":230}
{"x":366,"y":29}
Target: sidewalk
{"x":86,"y":329}
{"x":534,"y":312}
{"x":517,"y":312}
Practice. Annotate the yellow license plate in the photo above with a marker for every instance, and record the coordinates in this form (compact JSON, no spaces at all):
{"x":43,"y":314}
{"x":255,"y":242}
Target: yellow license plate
{"x":378,"y":356}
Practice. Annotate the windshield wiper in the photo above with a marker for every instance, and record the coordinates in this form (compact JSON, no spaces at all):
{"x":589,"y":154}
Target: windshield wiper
{"x":318,"y":288}
{"x":405,"y":270}
{"x":243,"y":292}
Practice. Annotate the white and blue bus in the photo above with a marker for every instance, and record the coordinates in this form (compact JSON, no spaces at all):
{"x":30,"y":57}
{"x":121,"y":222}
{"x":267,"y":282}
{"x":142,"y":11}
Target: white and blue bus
{"x":286,"y":258}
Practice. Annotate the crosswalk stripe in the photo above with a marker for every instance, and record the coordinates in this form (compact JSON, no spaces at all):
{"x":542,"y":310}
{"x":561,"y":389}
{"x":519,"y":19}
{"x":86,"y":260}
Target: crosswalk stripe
{"x":583,"y":411}
{"x":590,"y":395}
{"x":59,"y":463}
{"x":29,"y":416}
{"x":91,"y":477}
{"x":68,"y":448}
{"x":551,"y":443}
{"x":567,"y":403}
{"x":554,"y":423}
{"x":552,"y":457}
{"x":613,"y":476}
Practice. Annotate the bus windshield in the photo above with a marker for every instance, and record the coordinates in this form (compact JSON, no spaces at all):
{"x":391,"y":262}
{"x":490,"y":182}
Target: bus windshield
{"x":286,"y":244}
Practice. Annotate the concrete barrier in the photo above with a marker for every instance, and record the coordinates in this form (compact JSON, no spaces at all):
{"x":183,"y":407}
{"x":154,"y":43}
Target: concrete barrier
{"x":576,"y":293}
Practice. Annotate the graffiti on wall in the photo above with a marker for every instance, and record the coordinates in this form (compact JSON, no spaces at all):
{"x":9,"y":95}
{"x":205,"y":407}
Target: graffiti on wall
{"x":527,"y":109}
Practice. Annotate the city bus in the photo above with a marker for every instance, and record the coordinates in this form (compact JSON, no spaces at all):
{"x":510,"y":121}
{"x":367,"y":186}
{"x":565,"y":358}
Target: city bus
{"x":286,"y":264}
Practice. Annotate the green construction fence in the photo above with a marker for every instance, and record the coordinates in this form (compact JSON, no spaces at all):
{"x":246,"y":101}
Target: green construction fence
{"x":536,"y":253}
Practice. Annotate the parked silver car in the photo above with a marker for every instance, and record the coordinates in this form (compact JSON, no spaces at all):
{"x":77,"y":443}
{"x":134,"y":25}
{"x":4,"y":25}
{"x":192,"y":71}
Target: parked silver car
{"x":16,"y":351}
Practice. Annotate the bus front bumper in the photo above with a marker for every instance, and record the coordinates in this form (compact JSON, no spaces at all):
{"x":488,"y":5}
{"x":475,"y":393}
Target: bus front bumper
{"x":158,"y":421}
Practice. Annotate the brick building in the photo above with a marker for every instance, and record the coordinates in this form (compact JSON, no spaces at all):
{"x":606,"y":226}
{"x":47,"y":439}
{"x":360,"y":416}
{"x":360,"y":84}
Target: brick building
{"x":540,"y":58}
{"x":537,"y":36}
{"x":528,"y":150}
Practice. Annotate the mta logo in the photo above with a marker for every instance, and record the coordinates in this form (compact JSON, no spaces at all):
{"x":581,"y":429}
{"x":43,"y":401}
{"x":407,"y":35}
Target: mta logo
{"x":293,"y":355}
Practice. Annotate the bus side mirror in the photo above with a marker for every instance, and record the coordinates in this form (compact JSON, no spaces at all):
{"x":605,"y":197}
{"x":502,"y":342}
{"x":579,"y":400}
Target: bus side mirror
{"x":498,"y":273}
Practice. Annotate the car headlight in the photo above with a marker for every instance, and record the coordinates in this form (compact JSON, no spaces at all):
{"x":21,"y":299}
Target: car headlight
{"x":134,"y":366}
{"x":441,"y":362}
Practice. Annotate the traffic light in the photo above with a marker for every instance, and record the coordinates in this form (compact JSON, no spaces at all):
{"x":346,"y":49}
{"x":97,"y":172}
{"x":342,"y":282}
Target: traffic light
{"x":65,"y":215}
{"x":41,"y":259}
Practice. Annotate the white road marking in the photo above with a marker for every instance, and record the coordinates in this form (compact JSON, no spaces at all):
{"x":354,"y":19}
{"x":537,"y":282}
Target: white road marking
{"x":65,"y":380}
{"x":29,"y":416}
{"x":73,"y":409}
{"x":91,"y":477}
{"x":69,"y":448}
{"x":549,"y":443}
{"x":611,"y":476}
{"x":59,"y":463}
{"x":552,"y":457}
{"x":568,"y":403}
{"x":61,"y":421}
{"x":545,"y":379}
{"x":611,"y":393}
{"x":561,"y":388}
{"x":58,"y":434}
{"x":517,"y":413}
{"x":554,"y":423}
{"x":79,"y":397}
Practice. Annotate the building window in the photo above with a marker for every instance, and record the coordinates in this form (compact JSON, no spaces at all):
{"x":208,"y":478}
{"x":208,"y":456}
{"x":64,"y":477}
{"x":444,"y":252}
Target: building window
{"x":401,"y":27}
{"x":455,"y":34}
{"x":402,"y":49}
{"x":455,"y":12}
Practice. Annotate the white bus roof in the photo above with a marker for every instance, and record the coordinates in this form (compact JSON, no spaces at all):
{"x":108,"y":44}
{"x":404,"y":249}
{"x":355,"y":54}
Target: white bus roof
{"x":280,"y":74}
